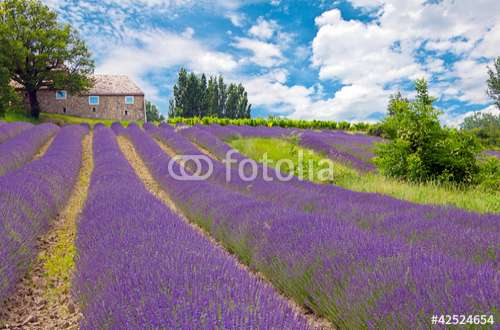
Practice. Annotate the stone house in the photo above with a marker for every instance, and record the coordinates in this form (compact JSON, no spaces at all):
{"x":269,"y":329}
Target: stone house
{"x":114,"y":97}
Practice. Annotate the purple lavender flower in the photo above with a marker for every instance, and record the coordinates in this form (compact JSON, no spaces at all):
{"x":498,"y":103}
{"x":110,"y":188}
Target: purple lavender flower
{"x":141,"y":267}
{"x":351,"y":262}
{"x":354,"y":150}
{"x":493,"y":153}
{"x":20,"y":149}
{"x":30,"y":198}
{"x":9,"y":130}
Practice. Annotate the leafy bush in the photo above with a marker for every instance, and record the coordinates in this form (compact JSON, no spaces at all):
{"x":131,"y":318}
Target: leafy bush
{"x":9,"y":100}
{"x":489,"y":174}
{"x":420,"y":149}
{"x":375,"y":129}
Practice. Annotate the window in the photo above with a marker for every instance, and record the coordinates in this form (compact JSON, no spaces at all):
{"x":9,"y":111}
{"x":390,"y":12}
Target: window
{"x":93,"y":109}
{"x":61,"y":95}
{"x":129,"y":100}
{"x":94,"y":100}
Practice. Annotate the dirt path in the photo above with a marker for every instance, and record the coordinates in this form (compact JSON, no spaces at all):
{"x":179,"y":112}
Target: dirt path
{"x":156,"y":189}
{"x":43,"y":149}
{"x":43,"y":298}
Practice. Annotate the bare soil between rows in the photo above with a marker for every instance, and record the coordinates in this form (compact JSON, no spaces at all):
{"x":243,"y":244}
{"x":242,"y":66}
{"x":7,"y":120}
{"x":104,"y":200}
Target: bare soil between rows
{"x":42,"y":299}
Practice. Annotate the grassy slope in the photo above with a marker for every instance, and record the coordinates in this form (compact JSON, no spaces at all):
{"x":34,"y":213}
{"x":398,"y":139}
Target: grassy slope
{"x":471,"y":199}
{"x":59,"y":119}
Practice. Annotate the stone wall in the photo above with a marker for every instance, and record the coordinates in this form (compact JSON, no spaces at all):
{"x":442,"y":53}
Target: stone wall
{"x":110,"y":106}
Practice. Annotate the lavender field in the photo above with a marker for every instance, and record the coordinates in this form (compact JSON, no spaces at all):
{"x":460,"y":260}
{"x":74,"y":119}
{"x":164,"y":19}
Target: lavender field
{"x":153,"y":228}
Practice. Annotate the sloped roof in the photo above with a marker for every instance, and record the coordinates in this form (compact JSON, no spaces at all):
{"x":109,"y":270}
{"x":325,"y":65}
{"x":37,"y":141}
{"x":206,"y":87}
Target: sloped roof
{"x":105,"y":84}
{"x":114,"y":85}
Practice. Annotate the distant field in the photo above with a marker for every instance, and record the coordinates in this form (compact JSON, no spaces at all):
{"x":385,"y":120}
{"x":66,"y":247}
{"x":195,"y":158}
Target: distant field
{"x":108,"y":228}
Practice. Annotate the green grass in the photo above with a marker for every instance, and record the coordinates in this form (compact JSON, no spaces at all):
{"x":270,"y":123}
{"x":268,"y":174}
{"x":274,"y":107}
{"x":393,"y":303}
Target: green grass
{"x":472,"y":199}
{"x":61,"y":119}
{"x":11,"y":117}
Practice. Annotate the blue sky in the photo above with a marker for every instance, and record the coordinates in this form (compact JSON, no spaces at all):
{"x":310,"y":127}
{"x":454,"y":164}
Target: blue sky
{"x":315,"y":59}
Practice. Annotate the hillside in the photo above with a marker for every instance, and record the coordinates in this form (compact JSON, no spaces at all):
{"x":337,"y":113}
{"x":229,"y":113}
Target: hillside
{"x":109,"y":227}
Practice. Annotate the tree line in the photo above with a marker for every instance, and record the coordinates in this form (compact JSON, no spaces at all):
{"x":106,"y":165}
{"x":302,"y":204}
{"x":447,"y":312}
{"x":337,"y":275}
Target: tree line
{"x":196,"y":96}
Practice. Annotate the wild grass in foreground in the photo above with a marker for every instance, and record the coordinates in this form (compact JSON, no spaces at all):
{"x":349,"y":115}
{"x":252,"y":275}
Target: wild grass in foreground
{"x":472,"y":199}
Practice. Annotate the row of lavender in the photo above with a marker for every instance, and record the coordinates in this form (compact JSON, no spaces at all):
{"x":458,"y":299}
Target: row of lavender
{"x":20,"y":149}
{"x":30,"y":198}
{"x":10,"y":130}
{"x":457,"y":233}
{"x":141,"y":267}
{"x":354,"y":277}
{"x":493,"y":153}
{"x":352,"y":149}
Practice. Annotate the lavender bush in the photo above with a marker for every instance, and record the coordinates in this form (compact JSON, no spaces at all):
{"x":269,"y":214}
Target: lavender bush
{"x":21,"y":148}
{"x":10,"y":130}
{"x":30,"y":198}
{"x":141,"y":267}
{"x":493,"y":153}
{"x":361,"y":270}
{"x":354,"y":150}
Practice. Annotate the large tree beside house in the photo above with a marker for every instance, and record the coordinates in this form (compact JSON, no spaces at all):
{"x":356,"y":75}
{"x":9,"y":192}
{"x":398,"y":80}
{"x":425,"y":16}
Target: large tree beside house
{"x":40,"y":52}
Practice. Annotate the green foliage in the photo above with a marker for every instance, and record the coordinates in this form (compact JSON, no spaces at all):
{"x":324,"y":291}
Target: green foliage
{"x":494,"y":82}
{"x":38,"y":51}
{"x":194,"y":96}
{"x":485,"y":126}
{"x":420,"y":150}
{"x":271,"y":122}
{"x":397,"y":104}
{"x":9,"y":100}
{"x":376,"y":129}
{"x":152,"y":113}
{"x":489,"y":174}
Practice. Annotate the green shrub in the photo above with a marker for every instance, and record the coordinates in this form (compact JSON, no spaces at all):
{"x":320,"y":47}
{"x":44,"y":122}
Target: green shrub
{"x":420,"y":150}
{"x":489,"y":174}
{"x":9,"y":100}
{"x":375,"y":129}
